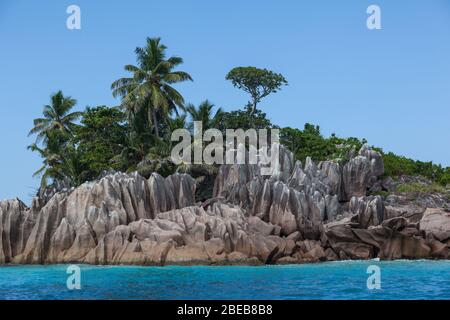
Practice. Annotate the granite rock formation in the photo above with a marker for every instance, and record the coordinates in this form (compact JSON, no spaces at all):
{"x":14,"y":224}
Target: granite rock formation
{"x":301,"y":213}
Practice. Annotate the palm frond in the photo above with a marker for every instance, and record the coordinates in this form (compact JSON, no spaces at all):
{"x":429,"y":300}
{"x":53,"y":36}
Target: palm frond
{"x":177,"y":76}
{"x":175,"y":61}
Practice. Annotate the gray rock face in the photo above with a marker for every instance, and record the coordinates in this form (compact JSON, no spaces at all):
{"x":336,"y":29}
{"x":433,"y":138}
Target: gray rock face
{"x":327,"y":178}
{"x":190,"y":235}
{"x":351,"y":242}
{"x":16,"y":221}
{"x":435,"y":223}
{"x":370,"y":210}
{"x":126,"y":219}
{"x":72,"y":223}
{"x":300,"y":198}
{"x":45,"y":194}
{"x":231,"y":182}
{"x":298,"y":214}
{"x":419,"y":201}
{"x":360,"y":173}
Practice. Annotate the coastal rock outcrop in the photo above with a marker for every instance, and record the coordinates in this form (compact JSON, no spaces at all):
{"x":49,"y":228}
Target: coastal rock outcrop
{"x":299,"y":213}
{"x":370,"y":210}
{"x":16,"y":221}
{"x":300,"y":198}
{"x":360,"y":173}
{"x":435,"y":223}
{"x":78,"y":219}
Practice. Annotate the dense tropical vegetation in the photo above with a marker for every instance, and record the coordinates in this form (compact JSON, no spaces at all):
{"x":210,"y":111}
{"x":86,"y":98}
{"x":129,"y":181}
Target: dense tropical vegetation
{"x":81,"y":146}
{"x":149,"y":89}
{"x":204,"y":114}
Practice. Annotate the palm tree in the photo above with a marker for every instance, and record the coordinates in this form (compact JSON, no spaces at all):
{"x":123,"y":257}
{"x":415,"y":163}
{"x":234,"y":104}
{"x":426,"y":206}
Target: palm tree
{"x":45,"y":170}
{"x":66,"y":169}
{"x":149,"y":86}
{"x":204,"y":114}
{"x":55,"y":131}
{"x":162,"y":148}
{"x":56,"y":117}
{"x":138,"y":139}
{"x":53,"y":155}
{"x":178,"y":122}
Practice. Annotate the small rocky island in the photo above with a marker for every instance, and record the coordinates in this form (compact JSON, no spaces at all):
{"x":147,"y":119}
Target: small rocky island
{"x":302,"y":213}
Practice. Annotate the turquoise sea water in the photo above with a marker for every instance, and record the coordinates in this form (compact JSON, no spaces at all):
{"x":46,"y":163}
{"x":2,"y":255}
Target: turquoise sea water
{"x":334,"y":280}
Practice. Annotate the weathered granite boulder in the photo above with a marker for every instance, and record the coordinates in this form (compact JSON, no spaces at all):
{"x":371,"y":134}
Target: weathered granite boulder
{"x":353,"y":250}
{"x":370,"y":210}
{"x":192,"y":235}
{"x":301,"y":198}
{"x":275,"y":163}
{"x":360,"y":173}
{"x":310,"y":251}
{"x":256,"y":225}
{"x":44,"y":194}
{"x":231,"y":182}
{"x":396,"y":224}
{"x":399,"y":246}
{"x":77,"y":221}
{"x":438,"y":249}
{"x":15,"y":227}
{"x":386,"y":241}
{"x":126,"y":219}
{"x":408,"y":210}
{"x":436,"y":223}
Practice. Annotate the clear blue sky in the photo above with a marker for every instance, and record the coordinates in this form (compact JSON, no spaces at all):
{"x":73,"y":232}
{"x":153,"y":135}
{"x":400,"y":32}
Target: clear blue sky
{"x":390,"y":86}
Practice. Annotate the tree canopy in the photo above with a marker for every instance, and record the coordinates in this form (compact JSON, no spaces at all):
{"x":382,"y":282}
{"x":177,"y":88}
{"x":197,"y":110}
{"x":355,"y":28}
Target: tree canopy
{"x":204,"y":114}
{"x":100,"y":138}
{"x":137,"y":135}
{"x":57,"y":116}
{"x":150,"y":86}
{"x":259,"y":83}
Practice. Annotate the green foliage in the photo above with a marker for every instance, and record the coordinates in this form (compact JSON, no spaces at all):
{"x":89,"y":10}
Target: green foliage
{"x":204,"y":114}
{"x":420,"y":188}
{"x":309,"y":142}
{"x":157,"y":158}
{"x":381,"y":193}
{"x":259,"y":83}
{"x":346,"y":147}
{"x":140,"y":138}
{"x":395,"y":165}
{"x":243,"y":119}
{"x":56,"y":117}
{"x":150,"y":99}
{"x":163,"y":166}
{"x":61,"y":160}
{"x":444,"y":179}
{"x":100,"y":138}
{"x":54,"y":131}
{"x":149,"y":87}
